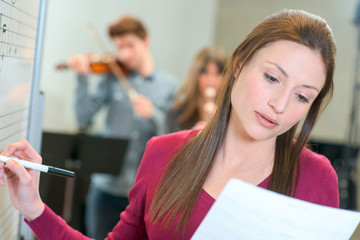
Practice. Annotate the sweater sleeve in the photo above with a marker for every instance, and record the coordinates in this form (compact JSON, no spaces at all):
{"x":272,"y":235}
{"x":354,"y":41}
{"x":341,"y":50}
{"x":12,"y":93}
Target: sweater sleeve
{"x":318,"y":181}
{"x":330,"y":196}
{"x":49,"y":226}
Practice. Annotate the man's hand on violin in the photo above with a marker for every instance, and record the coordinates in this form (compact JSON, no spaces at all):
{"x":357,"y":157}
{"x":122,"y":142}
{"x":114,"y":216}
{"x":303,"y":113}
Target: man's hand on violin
{"x":79,"y":63}
{"x":143,"y":107}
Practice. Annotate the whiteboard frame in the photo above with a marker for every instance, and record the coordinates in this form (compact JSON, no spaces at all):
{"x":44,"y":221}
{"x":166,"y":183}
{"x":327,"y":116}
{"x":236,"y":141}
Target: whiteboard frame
{"x":36,"y":104}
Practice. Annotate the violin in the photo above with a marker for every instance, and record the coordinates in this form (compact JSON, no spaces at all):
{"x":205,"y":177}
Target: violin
{"x":101,"y":65}
{"x":107,"y":65}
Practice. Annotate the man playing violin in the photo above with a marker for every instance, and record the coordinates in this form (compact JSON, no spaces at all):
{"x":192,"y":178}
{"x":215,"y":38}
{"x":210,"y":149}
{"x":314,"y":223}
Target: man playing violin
{"x":135,"y":117}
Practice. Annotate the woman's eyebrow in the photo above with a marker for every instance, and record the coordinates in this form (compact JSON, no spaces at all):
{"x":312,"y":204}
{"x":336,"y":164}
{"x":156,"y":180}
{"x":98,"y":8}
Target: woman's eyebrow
{"x":310,"y":87}
{"x":280,"y":68}
{"x":286,"y":75}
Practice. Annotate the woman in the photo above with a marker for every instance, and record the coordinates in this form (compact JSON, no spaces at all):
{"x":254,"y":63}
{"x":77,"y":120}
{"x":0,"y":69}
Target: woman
{"x":194,"y":103}
{"x":281,"y":73}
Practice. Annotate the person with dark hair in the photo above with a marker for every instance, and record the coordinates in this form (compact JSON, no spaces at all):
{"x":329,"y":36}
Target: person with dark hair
{"x":194,"y":103}
{"x":280,"y":74}
{"x":136,"y":118}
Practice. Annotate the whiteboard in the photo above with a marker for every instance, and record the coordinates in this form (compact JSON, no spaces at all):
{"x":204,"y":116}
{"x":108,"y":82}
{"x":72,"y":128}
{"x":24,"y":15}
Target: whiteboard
{"x":19,"y":34}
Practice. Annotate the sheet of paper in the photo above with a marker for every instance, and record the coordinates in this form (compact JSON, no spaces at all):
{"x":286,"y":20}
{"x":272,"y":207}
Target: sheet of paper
{"x":244,"y":211}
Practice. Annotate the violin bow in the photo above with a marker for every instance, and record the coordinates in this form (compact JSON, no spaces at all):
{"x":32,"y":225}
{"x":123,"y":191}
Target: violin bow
{"x":113,"y":66}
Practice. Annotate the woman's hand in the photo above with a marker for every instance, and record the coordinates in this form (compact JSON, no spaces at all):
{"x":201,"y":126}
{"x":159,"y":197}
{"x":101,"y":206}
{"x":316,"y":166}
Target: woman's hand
{"x":23,"y":183}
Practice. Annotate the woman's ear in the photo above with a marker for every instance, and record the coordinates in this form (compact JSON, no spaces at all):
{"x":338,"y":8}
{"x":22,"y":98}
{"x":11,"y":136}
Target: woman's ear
{"x":237,"y":68}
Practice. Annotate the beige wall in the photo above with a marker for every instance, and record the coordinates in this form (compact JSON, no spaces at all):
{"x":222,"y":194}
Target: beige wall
{"x":237,"y":17}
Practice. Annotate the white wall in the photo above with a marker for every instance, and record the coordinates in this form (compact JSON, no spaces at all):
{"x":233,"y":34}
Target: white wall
{"x":178,"y":29}
{"x":237,"y":17}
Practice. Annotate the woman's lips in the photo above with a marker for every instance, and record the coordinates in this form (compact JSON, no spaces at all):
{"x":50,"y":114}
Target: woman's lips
{"x":266,"y":121}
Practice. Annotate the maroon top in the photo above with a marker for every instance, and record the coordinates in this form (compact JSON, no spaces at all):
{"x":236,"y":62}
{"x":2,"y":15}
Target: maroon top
{"x":317,"y":183}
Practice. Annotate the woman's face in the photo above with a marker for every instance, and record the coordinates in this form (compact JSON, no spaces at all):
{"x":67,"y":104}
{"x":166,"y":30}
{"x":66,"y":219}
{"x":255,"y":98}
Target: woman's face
{"x":210,"y":78}
{"x":275,"y":89}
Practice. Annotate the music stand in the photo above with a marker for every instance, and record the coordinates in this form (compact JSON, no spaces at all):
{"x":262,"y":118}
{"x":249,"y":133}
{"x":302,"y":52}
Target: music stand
{"x":56,"y":150}
{"x":101,"y":155}
{"x":83,"y":154}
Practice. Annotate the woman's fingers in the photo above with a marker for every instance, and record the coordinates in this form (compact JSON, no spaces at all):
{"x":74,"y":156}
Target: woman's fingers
{"x":23,"y":190}
{"x":22,"y":150}
{"x":18,"y":170}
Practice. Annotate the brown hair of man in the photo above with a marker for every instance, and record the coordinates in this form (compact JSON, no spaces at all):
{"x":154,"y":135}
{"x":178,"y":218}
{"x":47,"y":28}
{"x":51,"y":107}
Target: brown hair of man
{"x":127,"y":25}
{"x":187,"y":171}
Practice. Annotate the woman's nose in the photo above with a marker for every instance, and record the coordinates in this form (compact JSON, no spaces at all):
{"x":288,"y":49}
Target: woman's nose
{"x":279,"y":102}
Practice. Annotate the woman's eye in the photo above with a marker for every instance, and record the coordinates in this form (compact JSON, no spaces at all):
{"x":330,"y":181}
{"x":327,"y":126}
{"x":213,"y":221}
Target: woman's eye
{"x":270,"y":78}
{"x":303,"y":98}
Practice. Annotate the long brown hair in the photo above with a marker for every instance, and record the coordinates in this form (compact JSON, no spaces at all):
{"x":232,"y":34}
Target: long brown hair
{"x":186,"y":173}
{"x":185,"y":106}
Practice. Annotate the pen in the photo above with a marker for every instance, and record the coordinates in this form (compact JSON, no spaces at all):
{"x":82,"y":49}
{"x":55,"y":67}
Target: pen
{"x":40,"y":167}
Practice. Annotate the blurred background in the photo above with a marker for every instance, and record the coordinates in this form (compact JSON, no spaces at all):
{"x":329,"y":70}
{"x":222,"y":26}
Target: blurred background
{"x":180,"y":28}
